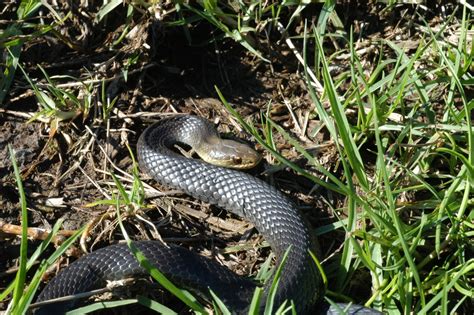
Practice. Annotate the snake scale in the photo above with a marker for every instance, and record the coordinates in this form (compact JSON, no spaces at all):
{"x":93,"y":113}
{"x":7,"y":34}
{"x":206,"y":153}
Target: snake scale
{"x":271,"y":212}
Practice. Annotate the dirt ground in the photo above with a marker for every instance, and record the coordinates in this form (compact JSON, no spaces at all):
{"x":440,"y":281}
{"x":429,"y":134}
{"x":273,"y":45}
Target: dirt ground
{"x":66,"y":164}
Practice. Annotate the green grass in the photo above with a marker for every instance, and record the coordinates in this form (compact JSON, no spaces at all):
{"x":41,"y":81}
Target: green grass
{"x":22,"y":292}
{"x":388,"y":245}
{"x":401,"y":126}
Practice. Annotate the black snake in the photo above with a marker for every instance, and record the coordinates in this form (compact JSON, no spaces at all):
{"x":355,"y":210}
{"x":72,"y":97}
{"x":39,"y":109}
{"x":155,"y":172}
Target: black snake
{"x":273,"y":215}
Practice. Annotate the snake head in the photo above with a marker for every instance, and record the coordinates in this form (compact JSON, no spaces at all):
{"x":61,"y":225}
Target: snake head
{"x":228,"y":153}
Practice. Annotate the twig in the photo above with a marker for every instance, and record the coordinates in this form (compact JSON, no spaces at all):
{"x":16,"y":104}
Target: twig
{"x":35,"y":233}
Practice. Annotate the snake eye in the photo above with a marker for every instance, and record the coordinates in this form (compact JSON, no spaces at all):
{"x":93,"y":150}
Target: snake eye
{"x":237,"y":159}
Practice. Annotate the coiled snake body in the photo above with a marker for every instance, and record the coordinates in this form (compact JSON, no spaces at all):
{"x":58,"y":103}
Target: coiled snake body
{"x":274,"y":216}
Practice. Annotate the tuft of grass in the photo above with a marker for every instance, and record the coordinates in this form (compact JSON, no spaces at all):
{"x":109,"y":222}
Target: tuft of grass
{"x":19,"y":283}
{"x":23,"y":292}
{"x":57,"y":102}
{"x":13,"y":38}
{"x":415,"y":251}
